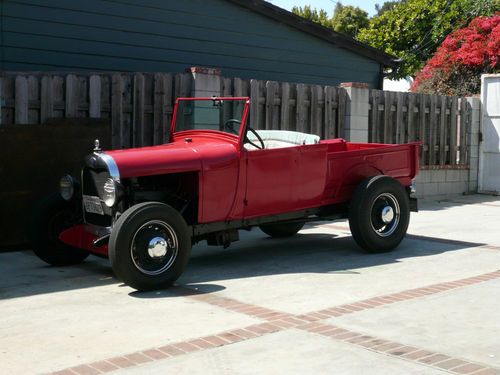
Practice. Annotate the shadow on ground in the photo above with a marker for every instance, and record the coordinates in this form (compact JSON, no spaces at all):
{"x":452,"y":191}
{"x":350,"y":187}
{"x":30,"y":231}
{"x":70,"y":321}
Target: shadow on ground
{"x":485,"y":200}
{"x":303,"y":253}
{"x":23,"y":274}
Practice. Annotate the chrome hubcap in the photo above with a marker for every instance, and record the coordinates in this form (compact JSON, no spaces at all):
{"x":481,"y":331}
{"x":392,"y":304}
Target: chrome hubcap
{"x":385,"y":215}
{"x":154,"y":247}
{"x":157,"y":247}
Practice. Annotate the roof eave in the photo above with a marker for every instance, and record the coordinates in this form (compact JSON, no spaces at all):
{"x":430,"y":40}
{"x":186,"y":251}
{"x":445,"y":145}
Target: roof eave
{"x":300,"y":23}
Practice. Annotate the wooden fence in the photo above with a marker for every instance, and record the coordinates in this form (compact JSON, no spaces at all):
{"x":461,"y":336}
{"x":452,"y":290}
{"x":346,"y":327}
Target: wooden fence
{"x":139,"y":108}
{"x":440,"y":122}
{"x":305,"y":108}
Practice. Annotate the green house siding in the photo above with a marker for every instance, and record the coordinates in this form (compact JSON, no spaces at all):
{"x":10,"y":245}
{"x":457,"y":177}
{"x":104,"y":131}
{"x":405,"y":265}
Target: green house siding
{"x":169,"y":36}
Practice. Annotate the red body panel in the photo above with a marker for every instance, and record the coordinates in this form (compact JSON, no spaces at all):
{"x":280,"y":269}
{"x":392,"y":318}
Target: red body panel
{"x":238,"y":184}
{"x":82,"y":236}
{"x":148,"y":161}
{"x":284,"y":179}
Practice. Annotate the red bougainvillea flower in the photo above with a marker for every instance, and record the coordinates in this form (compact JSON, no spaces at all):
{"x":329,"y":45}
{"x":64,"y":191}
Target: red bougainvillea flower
{"x":474,"y":49}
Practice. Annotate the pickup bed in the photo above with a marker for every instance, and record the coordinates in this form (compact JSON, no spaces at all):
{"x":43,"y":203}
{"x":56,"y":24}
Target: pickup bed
{"x":143,"y":208}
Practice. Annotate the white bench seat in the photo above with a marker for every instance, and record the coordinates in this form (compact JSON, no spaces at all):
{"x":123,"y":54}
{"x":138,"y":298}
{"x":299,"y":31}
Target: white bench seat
{"x":281,"y":139}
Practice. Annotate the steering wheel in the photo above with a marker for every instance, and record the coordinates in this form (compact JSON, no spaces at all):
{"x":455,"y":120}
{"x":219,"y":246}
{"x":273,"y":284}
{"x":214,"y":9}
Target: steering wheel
{"x":258,"y":137}
{"x":229,"y":125}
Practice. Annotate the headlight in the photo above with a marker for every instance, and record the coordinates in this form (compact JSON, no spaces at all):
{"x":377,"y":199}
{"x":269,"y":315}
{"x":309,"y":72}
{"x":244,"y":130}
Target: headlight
{"x":110,"y":192}
{"x":67,"y":187}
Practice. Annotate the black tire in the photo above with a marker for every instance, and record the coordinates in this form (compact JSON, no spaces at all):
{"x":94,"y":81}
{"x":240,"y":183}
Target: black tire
{"x":379,"y":213}
{"x":281,"y":230}
{"x":138,"y":227}
{"x":51,"y":216}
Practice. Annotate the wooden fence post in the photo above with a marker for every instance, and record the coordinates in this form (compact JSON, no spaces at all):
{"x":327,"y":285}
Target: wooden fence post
{"x":432,"y":129}
{"x":272,"y":115}
{"x":442,"y":132}
{"x":117,"y":111}
{"x":375,"y":128}
{"x":341,"y":111}
{"x":285,"y":105}
{"x":317,"y":108}
{"x":464,"y":123}
{"x":453,"y":130}
{"x":138,"y":125}
{"x":301,"y":108}
{"x":71,"y":107}
{"x":254,"y":103}
{"x":411,"y":123}
{"x":422,"y":127}
{"x":95,"y":96}
{"x":162,"y":104}
{"x":387,"y":117}
{"x":240,"y":89}
{"x":21,"y":100}
{"x":46,"y":99}
{"x":400,"y":128}
{"x":330,"y":121}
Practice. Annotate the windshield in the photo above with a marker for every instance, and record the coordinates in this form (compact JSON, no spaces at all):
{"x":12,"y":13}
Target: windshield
{"x":213,"y":114}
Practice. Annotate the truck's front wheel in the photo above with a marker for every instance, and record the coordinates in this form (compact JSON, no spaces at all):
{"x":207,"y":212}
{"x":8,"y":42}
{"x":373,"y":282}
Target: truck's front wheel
{"x":150,"y":245}
{"x":51,"y":216}
{"x":379,"y":214}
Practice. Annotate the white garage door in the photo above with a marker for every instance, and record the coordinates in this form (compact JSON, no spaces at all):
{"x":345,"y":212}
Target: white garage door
{"x":489,"y":162}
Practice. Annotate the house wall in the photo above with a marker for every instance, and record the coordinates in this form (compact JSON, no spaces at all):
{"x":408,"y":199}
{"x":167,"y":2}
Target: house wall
{"x":169,"y":36}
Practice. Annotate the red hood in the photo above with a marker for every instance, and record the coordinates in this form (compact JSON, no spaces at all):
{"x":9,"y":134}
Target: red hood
{"x":179,"y":156}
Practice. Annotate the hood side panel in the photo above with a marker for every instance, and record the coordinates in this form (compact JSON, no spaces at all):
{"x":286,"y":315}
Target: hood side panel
{"x":149,"y":161}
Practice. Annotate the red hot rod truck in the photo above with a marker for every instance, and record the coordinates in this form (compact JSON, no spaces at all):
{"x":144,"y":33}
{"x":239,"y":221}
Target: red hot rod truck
{"x":144,"y":207}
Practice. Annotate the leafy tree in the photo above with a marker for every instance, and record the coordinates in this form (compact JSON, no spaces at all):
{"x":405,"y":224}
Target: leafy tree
{"x":456,"y":67}
{"x":348,"y":19}
{"x":385,"y":7}
{"x":318,"y":16}
{"x":413,"y":29}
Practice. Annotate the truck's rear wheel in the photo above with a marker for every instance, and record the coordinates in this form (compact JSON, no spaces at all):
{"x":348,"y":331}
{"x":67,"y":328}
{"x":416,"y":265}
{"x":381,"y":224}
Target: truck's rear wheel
{"x":281,"y":230}
{"x":51,"y":216}
{"x":379,"y":214}
{"x":149,"y":246}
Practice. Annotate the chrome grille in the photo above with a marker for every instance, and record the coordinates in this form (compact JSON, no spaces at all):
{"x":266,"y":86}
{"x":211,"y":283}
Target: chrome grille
{"x":92,"y":184}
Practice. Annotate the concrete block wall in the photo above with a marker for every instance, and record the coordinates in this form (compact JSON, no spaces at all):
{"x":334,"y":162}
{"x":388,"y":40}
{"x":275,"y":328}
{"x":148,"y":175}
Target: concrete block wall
{"x":357,"y":110}
{"x":207,"y":82}
{"x":431,"y":183}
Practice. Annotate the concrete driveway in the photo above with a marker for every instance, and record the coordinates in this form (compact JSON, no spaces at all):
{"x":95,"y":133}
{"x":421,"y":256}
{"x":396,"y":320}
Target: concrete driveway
{"x":314,"y":303}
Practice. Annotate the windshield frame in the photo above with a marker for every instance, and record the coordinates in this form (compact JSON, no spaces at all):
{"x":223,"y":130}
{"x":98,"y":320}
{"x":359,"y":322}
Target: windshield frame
{"x":244,"y":118}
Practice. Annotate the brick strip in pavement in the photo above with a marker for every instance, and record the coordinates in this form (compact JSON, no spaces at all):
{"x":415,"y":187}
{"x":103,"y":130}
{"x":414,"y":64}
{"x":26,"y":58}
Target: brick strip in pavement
{"x":399,"y":350}
{"x":176,"y":349}
{"x":396,"y":297}
{"x":335,"y":311}
{"x":378,"y":345}
{"x":278,"y":321}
